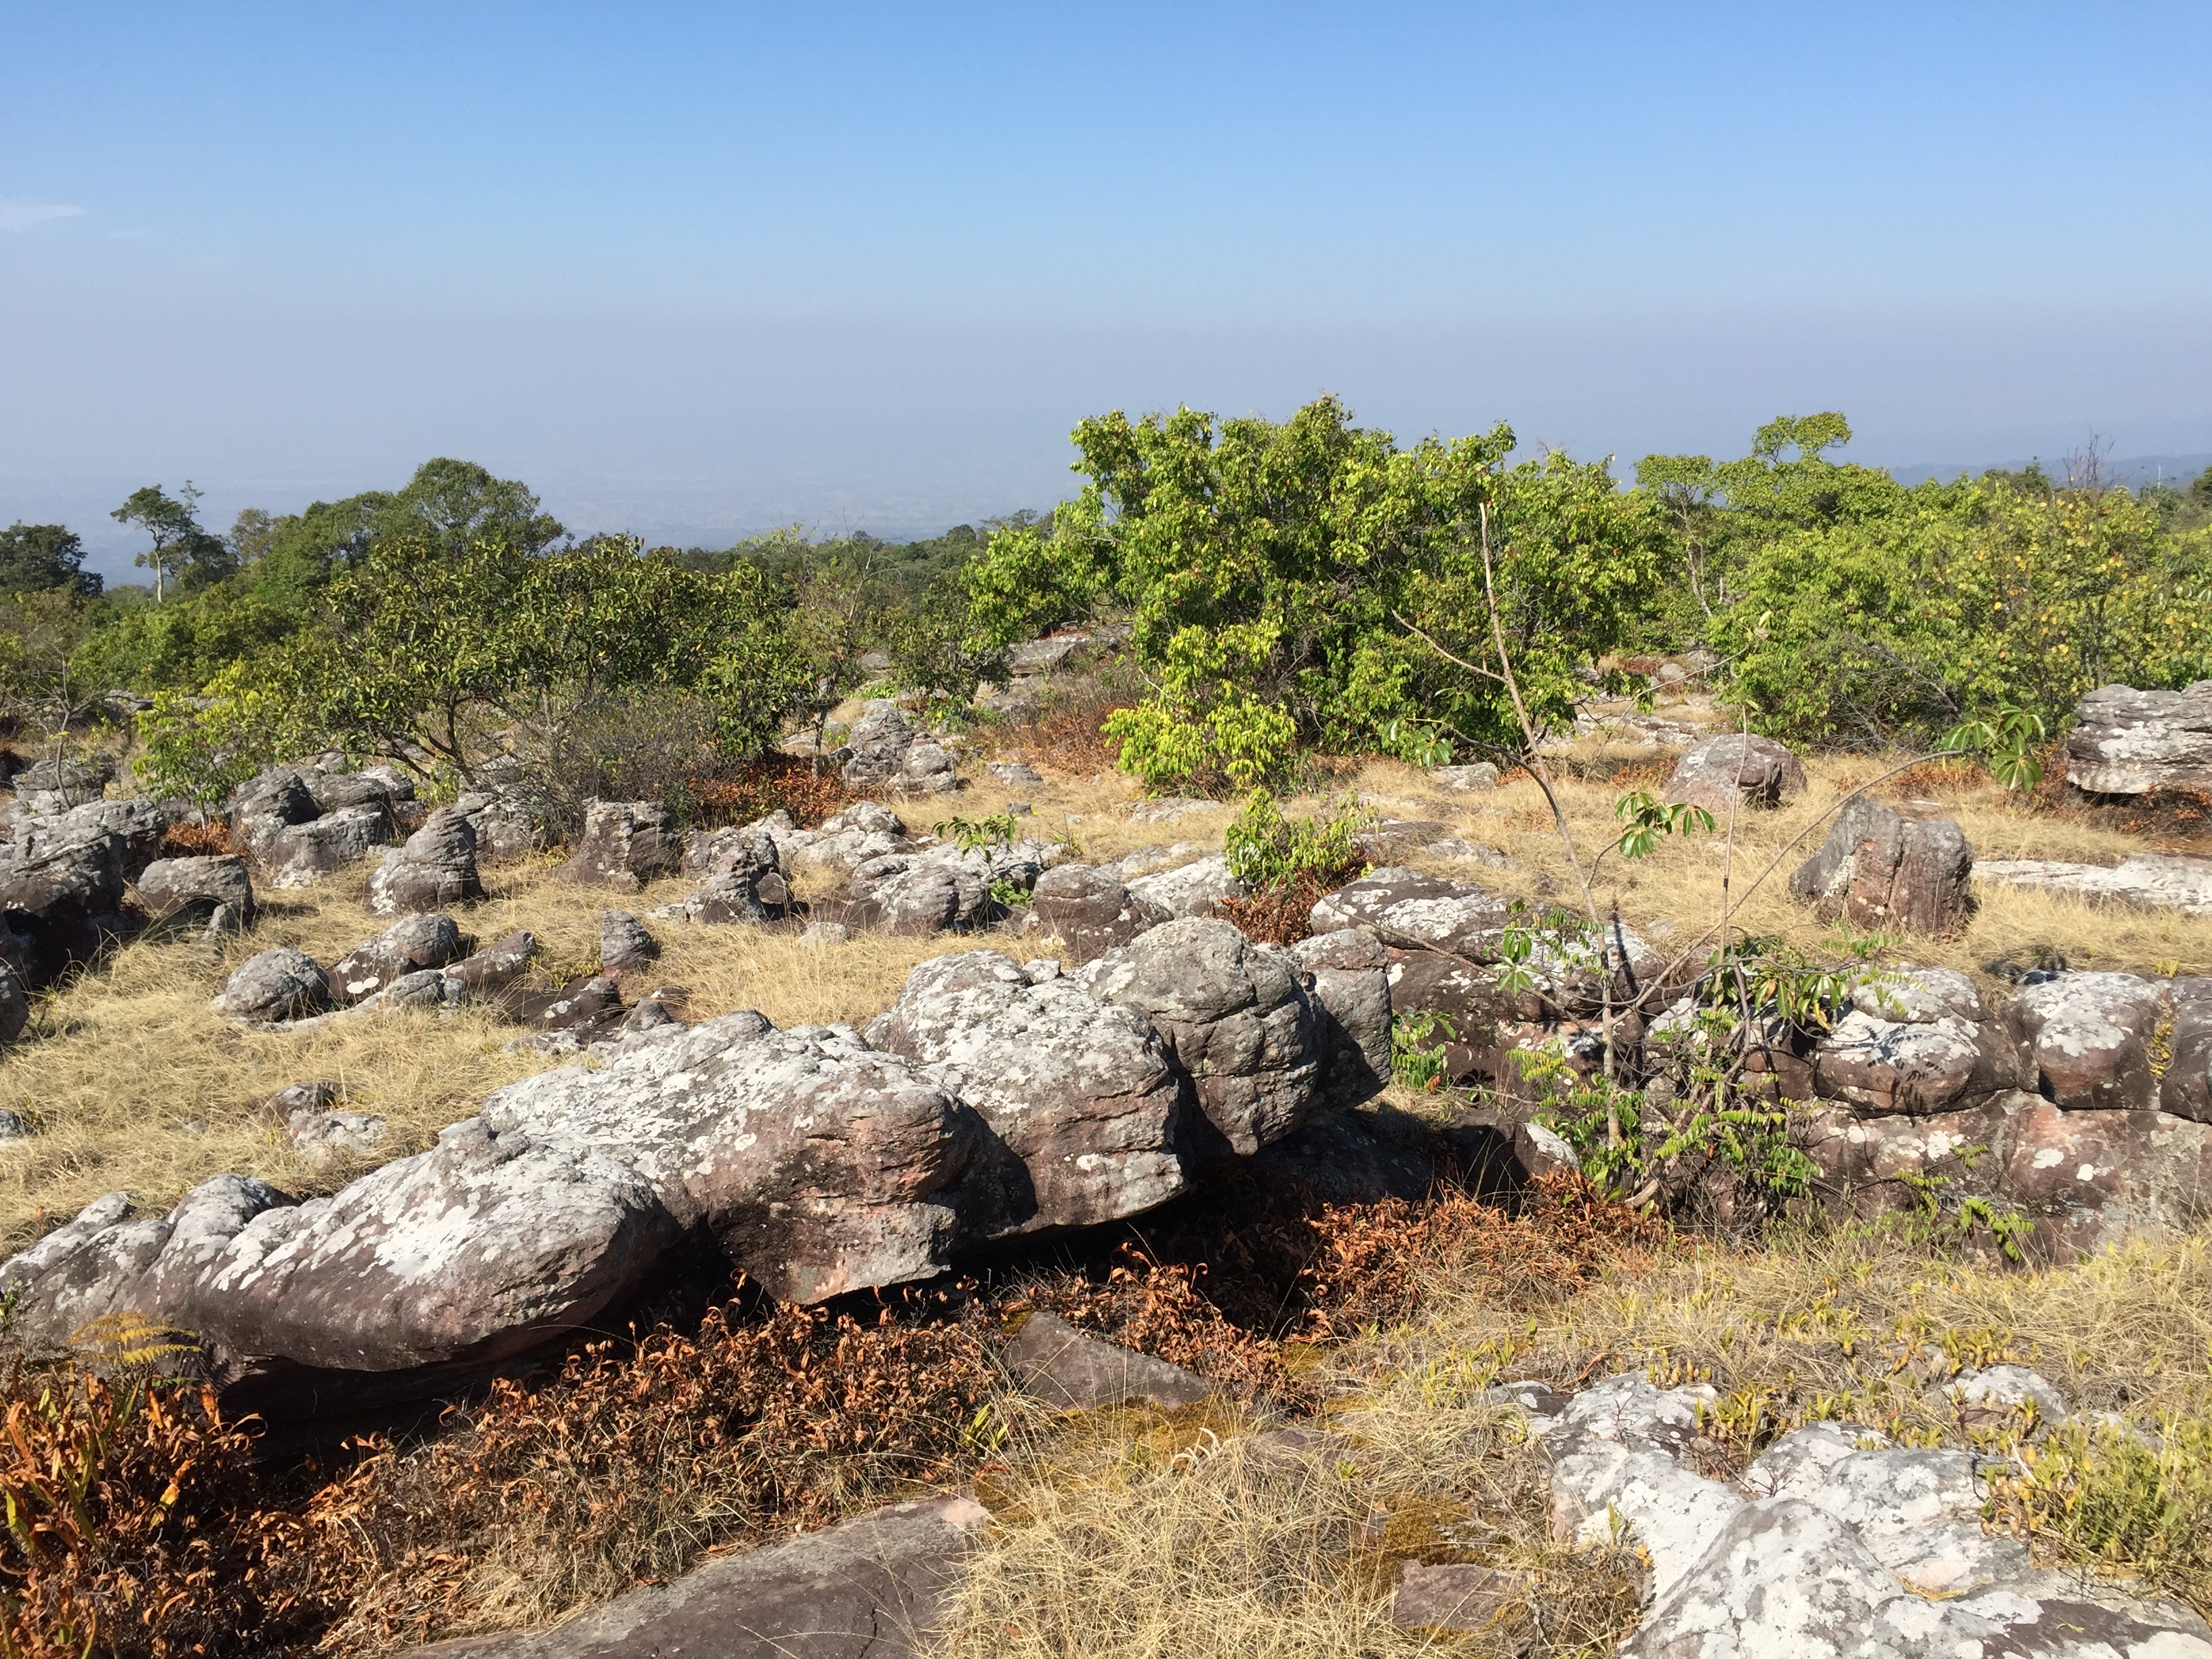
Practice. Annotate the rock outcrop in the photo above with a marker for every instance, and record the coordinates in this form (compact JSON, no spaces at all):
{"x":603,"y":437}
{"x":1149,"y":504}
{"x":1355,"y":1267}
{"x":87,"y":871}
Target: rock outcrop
{"x":2140,"y":881}
{"x":275,"y":984}
{"x":888,"y":755}
{"x":624,"y":844}
{"x":625,"y":946}
{"x":1089,"y":911}
{"x":1736,"y":769}
{"x":298,"y":824}
{"x":408,"y":946}
{"x":215,"y":891}
{"x":434,"y":867}
{"x":2126,"y":742}
{"x":1880,"y":870}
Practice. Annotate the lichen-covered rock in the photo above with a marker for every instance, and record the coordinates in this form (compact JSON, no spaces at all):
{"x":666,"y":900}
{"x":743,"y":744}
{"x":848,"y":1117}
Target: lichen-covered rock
{"x":2126,"y":742}
{"x":433,"y":868}
{"x":52,"y":785}
{"x":888,"y":755}
{"x":214,"y":887}
{"x":496,"y":966}
{"x":136,"y":830}
{"x":1478,"y":775}
{"x":625,"y":946}
{"x":1351,"y":997}
{"x":1084,"y":1095}
{"x":385,"y":787}
{"x":279,"y":984}
{"x":1917,"y":1040}
{"x":512,"y":817}
{"x":322,"y":1138}
{"x":1188,"y":890}
{"x":2186,"y":1090}
{"x":2086,"y":1039}
{"x":1736,"y":769}
{"x":624,"y":844}
{"x":2140,"y":881}
{"x":913,"y":897}
{"x":1880,"y":870}
{"x":1238,"y":1016}
{"x":301,"y":855}
{"x":62,"y":898}
{"x":1090,"y":912}
{"x":820,"y":1165}
{"x":2090,"y":1178}
{"x":406,"y":947}
{"x":867,"y":829}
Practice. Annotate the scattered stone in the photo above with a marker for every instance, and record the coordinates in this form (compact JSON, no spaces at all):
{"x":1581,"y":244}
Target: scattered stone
{"x":14,"y":1125}
{"x":216,"y":889}
{"x":1084,"y":1095}
{"x":1188,"y":890}
{"x":1053,"y":1362}
{"x":1879,"y":870}
{"x":1237,"y":1015}
{"x":433,"y":868}
{"x":1168,"y":809}
{"x":873,"y":1588}
{"x":275,"y":984}
{"x":496,"y":966}
{"x":408,"y":946}
{"x":914,"y":897}
{"x":1998,"y":1390}
{"x":1090,"y":912}
{"x":826,"y":933}
{"x":2126,"y":742}
{"x":863,"y":831}
{"x":1718,"y":773}
{"x":325,"y":1138}
{"x":1043,"y":656}
{"x":624,"y":945}
{"x":1398,"y":838}
{"x":295,"y":1099}
{"x":1481,"y":775}
{"x":624,"y":844}
{"x":2142,"y":881}
{"x":1017,"y":774}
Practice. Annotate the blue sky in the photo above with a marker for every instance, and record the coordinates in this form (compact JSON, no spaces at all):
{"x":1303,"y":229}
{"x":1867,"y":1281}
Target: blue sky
{"x":700,"y":269}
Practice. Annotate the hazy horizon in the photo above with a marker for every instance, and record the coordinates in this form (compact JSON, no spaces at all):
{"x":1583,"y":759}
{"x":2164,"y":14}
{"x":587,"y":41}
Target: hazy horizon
{"x":697,"y":272}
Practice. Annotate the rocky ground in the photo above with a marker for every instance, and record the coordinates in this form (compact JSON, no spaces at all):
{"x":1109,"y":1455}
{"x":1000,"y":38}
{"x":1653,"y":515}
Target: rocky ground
{"x":378,"y":1098}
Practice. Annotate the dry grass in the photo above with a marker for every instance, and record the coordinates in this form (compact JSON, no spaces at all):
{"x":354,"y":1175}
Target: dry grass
{"x":133,"y":1083}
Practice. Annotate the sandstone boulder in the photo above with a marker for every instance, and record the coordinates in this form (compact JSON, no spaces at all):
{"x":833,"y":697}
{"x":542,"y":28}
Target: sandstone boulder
{"x":136,"y":828}
{"x":1880,"y":870}
{"x":1089,"y":911}
{"x":1479,"y":774}
{"x":1084,"y":1095}
{"x":496,"y":966}
{"x":1917,"y":1040}
{"x":1053,"y":1362}
{"x":302,"y":854}
{"x":216,"y":889}
{"x":624,"y":945}
{"x":624,"y":844}
{"x":322,"y":1138}
{"x":63,"y":899}
{"x":2186,"y":1090}
{"x":2126,"y":742}
{"x":56,"y":785}
{"x":2090,"y":1178}
{"x":1238,"y":1016}
{"x":888,"y":755}
{"x":1719,"y":774}
{"x":433,"y":868}
{"x":512,"y":817}
{"x":406,"y":947}
{"x":2142,"y":881}
{"x":275,"y":984}
{"x":915,"y":896}
{"x":1351,"y":1000}
{"x":2086,"y":1039}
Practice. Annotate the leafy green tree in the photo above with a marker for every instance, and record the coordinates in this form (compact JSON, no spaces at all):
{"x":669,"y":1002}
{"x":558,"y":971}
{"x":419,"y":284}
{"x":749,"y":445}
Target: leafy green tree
{"x":42,"y":682}
{"x":1310,"y":583}
{"x":179,"y":543}
{"x":35,"y":557}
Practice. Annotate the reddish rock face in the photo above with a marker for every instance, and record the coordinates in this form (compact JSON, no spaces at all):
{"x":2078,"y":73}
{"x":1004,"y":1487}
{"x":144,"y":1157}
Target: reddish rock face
{"x":1736,"y":769}
{"x":2125,"y":742}
{"x":1090,"y":912}
{"x":1916,"y":1040}
{"x":2186,"y":1090}
{"x":2089,"y":1177}
{"x":1878,"y":869}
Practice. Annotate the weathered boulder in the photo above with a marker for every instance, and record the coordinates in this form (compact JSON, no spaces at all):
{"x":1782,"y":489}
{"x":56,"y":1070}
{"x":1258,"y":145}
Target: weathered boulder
{"x":624,"y":844}
{"x":1917,"y":1040}
{"x":408,"y":946}
{"x":2089,"y":1178}
{"x":215,"y":888}
{"x":322,"y":1138}
{"x":1407,"y":909}
{"x":15,"y":1004}
{"x":270,"y":801}
{"x":279,"y":984}
{"x":496,"y":966}
{"x":888,"y":755}
{"x":57,"y":784}
{"x":136,"y":829}
{"x":820,"y":1165}
{"x":1454,"y":1596}
{"x":1352,"y":1002}
{"x":1052,"y":1361}
{"x":1238,"y":1016}
{"x":1478,"y":775}
{"x":62,"y":899}
{"x":1019,"y":774}
{"x":302,"y":854}
{"x":512,"y":817}
{"x":867,"y":829}
{"x":752,"y":849}
{"x":1342,"y":1157}
{"x":1089,"y":911}
{"x":624,"y":945}
{"x":873,"y":1588}
{"x":434,"y":867}
{"x":385,"y":787}
{"x":1736,"y":769}
{"x":1083,"y":1095}
{"x":588,"y":1006}
{"x":2142,"y":881}
{"x":2186,"y":1090}
{"x":1188,"y":890}
{"x":915,"y":896}
{"x":1880,"y":870}
{"x":2086,"y":1039}
{"x":744,"y":881}
{"x":2126,"y":742}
